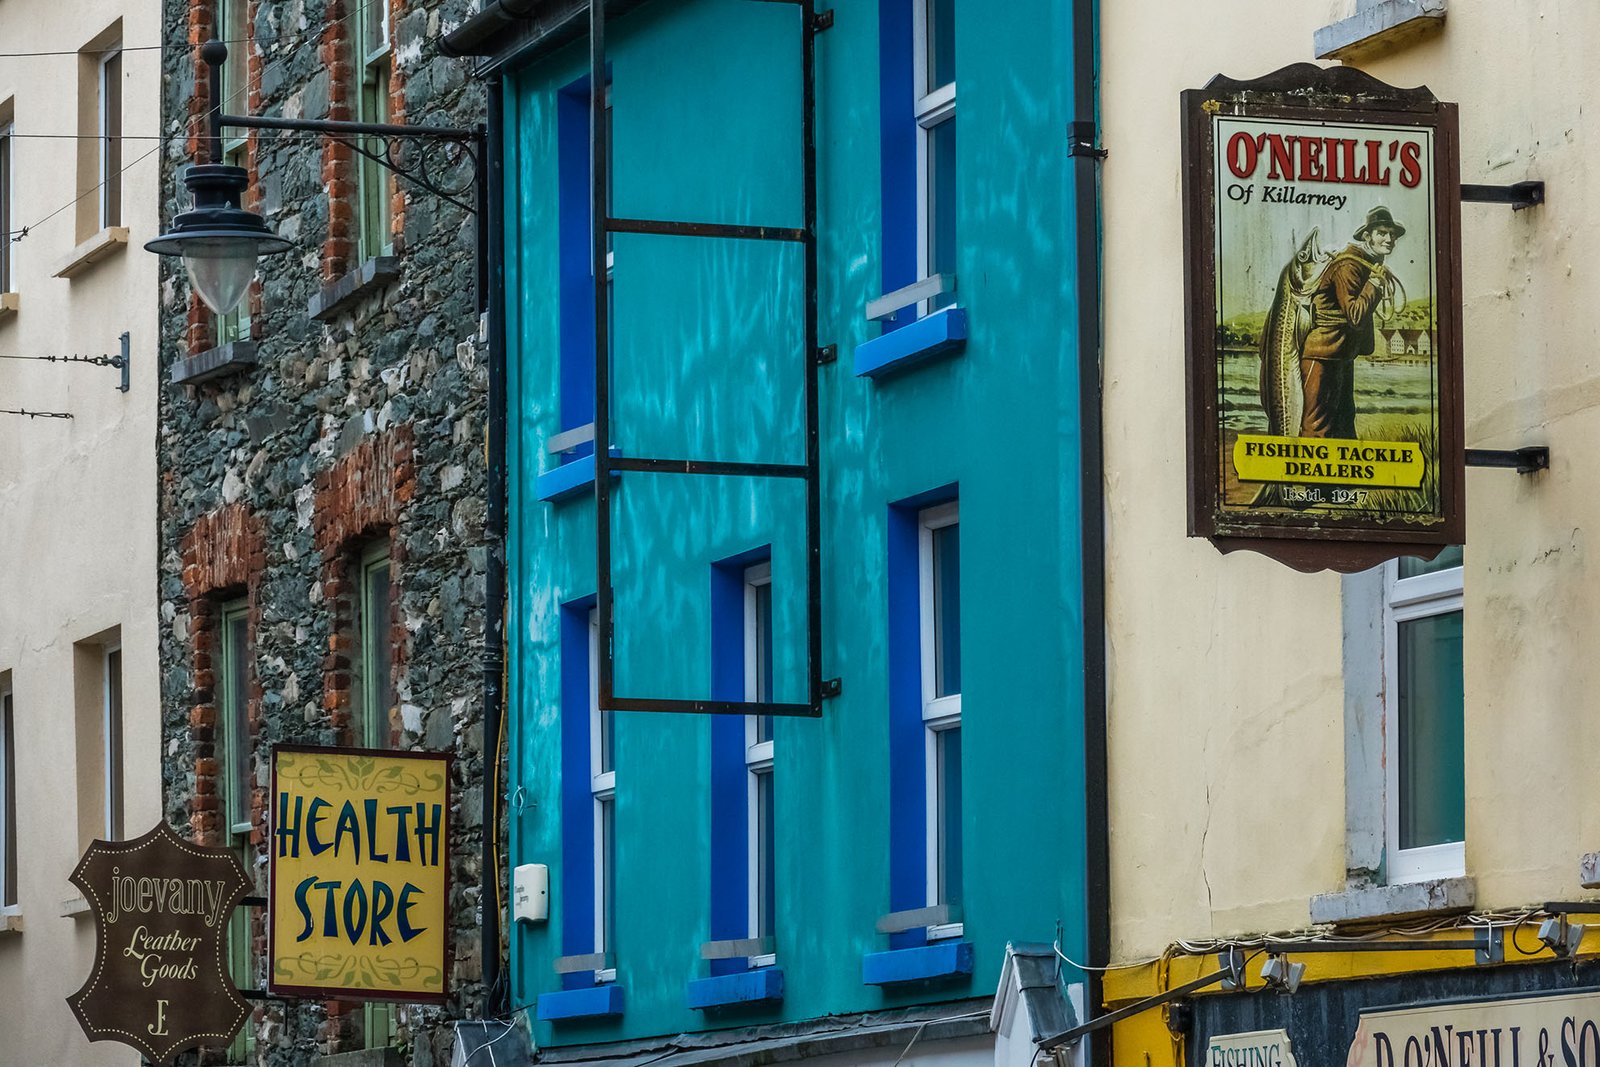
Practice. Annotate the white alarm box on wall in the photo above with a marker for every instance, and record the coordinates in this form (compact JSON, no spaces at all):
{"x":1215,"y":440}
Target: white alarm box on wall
{"x":530,"y":893}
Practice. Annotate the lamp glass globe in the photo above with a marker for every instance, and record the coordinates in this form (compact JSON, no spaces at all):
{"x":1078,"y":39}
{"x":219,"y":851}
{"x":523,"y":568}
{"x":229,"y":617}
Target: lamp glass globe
{"x":220,"y":269}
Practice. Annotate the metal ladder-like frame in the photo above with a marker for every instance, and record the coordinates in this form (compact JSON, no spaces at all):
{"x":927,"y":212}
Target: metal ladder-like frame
{"x":605,"y":463}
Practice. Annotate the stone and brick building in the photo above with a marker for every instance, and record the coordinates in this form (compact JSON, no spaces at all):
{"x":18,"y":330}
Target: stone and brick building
{"x":321,"y":470}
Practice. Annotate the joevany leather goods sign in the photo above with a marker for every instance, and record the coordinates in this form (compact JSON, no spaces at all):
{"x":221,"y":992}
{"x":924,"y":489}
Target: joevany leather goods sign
{"x":161,"y":908}
{"x":1321,"y":212}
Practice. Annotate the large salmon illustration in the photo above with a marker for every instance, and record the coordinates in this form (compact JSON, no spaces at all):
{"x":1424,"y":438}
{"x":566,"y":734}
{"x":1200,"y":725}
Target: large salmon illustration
{"x":1283,"y":336}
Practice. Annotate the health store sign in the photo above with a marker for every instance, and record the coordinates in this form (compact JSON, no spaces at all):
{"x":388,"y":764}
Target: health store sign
{"x":1324,"y":348}
{"x":360,"y":862}
{"x":1534,"y":1031}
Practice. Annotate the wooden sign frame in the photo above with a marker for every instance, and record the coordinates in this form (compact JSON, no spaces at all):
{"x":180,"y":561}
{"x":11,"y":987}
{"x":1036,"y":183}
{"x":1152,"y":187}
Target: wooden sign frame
{"x":161,"y":908}
{"x":334,"y":990}
{"x":1318,"y":536}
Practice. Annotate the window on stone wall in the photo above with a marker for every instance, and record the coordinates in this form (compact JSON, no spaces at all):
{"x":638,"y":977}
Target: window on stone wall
{"x":369,"y":34}
{"x":232,"y":754}
{"x":233,"y":29}
{"x":372,"y":696}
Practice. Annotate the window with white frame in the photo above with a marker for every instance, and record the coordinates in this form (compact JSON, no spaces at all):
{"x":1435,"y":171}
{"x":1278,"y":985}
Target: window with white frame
{"x":760,"y":820}
{"x":934,"y":68}
{"x":8,"y":801}
{"x":1425,"y":787}
{"x":939,"y":572}
{"x":603,"y":790}
{"x":110,"y":99}
{"x":111,"y":742}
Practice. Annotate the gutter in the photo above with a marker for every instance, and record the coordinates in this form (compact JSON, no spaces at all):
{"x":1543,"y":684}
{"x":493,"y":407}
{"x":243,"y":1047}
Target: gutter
{"x":1086,"y":157}
{"x":509,"y":33}
{"x":491,"y":235}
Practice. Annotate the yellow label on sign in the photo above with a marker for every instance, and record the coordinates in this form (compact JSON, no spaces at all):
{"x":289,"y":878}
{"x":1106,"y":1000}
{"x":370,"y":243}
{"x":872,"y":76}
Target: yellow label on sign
{"x":360,"y":854}
{"x":1380,"y":464}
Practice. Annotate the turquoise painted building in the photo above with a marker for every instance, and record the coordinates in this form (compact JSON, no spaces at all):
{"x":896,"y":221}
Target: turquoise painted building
{"x":723,"y":871}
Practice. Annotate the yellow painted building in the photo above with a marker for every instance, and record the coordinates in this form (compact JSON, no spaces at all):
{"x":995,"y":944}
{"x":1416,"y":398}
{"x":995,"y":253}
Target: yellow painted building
{"x":1402,"y":754}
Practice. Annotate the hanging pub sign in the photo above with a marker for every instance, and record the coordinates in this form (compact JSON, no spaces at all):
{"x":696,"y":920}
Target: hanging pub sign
{"x":359,"y":905}
{"x":161,"y":910}
{"x":1323,"y":278}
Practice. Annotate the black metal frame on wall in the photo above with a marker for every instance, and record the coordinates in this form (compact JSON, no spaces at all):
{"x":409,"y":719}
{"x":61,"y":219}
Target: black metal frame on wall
{"x":605,"y":464}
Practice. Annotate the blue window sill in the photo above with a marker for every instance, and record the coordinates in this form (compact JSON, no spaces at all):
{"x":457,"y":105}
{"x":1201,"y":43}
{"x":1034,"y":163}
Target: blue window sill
{"x":763,"y":985}
{"x":944,"y":959}
{"x":595,"y":1002}
{"x":942,"y":333}
{"x":569,"y":479}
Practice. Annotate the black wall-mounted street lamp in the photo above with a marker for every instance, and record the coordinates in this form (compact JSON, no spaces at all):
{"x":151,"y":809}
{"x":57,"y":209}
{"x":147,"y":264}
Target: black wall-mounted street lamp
{"x":220,"y":240}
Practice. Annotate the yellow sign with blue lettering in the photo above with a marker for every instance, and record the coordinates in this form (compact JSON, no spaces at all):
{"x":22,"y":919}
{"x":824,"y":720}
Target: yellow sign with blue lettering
{"x":360,"y":874}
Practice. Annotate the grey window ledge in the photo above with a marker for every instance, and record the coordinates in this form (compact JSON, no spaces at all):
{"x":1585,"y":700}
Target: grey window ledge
{"x":10,"y":303}
{"x":1378,"y":27}
{"x":219,"y":362}
{"x":109,"y":240}
{"x":1364,"y":903}
{"x":10,"y":923}
{"x":341,"y":295}
{"x":76,"y":908}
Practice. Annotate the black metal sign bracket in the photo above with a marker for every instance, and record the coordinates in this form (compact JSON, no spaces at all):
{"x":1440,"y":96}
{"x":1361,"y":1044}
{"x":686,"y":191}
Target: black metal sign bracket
{"x":1518,"y":194}
{"x":1522,"y":460}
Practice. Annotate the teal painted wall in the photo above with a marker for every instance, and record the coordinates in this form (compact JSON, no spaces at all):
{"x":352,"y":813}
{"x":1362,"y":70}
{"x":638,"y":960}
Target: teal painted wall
{"x":707,"y":362}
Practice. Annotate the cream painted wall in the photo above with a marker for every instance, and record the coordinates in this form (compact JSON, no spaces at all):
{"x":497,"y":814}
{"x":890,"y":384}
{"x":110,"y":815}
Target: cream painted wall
{"x":1227,"y":772}
{"x":77,"y":503}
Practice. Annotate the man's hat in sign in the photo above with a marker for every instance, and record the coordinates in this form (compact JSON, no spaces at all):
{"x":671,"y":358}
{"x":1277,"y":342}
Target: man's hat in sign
{"x":1379,"y":216}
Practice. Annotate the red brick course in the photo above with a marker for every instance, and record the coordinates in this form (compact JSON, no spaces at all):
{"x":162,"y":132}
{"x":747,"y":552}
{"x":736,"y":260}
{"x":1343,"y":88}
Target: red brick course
{"x":359,"y":500}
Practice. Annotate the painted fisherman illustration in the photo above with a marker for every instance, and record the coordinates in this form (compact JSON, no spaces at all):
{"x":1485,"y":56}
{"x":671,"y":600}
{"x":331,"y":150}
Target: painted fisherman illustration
{"x":1343,"y":302}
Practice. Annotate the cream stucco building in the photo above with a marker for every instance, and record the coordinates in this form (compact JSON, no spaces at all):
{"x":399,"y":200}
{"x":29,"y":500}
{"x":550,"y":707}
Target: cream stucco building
{"x":78,"y":687}
{"x":1251,"y":704}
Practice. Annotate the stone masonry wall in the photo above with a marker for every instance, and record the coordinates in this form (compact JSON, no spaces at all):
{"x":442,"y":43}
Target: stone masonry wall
{"x":365,"y":427}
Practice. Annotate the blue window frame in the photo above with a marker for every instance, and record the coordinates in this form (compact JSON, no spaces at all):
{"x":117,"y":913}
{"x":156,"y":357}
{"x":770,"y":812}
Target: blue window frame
{"x":925,"y":780}
{"x":917,"y":66}
{"x":744,"y":894}
{"x":588,"y":802}
{"x":577,"y":347}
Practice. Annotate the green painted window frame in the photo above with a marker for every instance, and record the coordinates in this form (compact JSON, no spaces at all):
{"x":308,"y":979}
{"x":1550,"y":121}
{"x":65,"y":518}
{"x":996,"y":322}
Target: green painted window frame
{"x":233,"y":709}
{"x":374,"y":571}
{"x":374,"y":651}
{"x":233,"y":701}
{"x":234,"y":30}
{"x":372,"y":54}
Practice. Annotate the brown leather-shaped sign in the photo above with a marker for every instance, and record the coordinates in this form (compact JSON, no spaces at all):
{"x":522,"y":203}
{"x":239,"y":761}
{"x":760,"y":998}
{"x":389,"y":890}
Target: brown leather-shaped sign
{"x":161,"y":908}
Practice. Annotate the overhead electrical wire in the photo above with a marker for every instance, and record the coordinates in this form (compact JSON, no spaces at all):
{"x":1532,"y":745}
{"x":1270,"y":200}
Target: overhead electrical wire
{"x":185,"y":45}
{"x":19,"y":234}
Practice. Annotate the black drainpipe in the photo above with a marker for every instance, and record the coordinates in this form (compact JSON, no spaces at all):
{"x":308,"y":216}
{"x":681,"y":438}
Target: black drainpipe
{"x":491,"y":234}
{"x":1086,"y":167}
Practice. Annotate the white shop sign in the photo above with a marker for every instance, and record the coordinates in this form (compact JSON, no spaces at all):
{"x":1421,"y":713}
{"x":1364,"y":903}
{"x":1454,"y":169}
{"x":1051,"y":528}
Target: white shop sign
{"x":1259,"y":1048}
